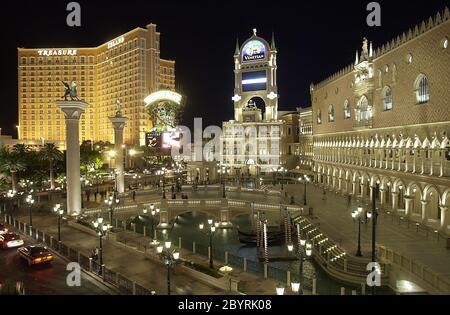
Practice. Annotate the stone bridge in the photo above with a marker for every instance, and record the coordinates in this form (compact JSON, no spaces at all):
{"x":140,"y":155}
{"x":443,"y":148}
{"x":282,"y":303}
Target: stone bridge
{"x":223,"y":210}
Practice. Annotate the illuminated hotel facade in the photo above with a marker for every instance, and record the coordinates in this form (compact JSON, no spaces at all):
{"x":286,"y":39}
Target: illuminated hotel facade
{"x":127,"y":68}
{"x":381,"y":126}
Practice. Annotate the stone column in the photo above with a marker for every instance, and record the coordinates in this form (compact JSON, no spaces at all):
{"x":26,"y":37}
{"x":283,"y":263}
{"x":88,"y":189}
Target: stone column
{"x":72,"y":112}
{"x":394,"y":201}
{"x":444,"y":213}
{"x":424,"y":211}
{"x":382,"y":197}
{"x":118,"y":123}
{"x":408,"y":202}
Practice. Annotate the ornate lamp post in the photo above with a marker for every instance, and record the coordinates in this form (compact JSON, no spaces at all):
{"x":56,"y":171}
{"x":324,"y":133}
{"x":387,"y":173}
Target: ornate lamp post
{"x":304,"y":251}
{"x":153,"y":213}
{"x":83,"y":182}
{"x":102,"y":230}
{"x":112,"y":201}
{"x":30,"y":201}
{"x":164,"y":182}
{"x":10,"y":195}
{"x":210,"y":231}
{"x":169,"y":257}
{"x":305,"y":179}
{"x":59,"y":212}
{"x":361,"y":217}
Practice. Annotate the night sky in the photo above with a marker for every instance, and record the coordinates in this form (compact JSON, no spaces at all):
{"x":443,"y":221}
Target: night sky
{"x":314,"y":39}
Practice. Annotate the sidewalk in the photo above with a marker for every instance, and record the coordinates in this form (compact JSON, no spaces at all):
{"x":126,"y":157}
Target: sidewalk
{"x":334,"y":217}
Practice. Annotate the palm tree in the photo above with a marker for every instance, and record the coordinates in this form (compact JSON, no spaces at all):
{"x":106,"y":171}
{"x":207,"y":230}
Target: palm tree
{"x":21,"y":149}
{"x":12,"y":163}
{"x":51,"y":154}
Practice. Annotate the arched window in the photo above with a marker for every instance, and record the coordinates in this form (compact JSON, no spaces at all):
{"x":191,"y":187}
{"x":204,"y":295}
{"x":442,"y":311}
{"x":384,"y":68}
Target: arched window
{"x":363,"y":109}
{"x":331,"y":113}
{"x":387,"y":98}
{"x":347,"y":111}
{"x":422,"y":90}
{"x":319,"y":117}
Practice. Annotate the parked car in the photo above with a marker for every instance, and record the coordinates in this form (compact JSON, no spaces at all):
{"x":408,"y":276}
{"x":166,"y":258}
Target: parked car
{"x":35,"y":255}
{"x":10,"y":240}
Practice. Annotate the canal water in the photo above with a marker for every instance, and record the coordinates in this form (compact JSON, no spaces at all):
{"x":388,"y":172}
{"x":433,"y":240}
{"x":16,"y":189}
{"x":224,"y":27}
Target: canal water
{"x":186,"y":226}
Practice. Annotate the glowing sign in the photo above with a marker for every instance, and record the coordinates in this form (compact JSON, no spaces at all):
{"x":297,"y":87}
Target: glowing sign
{"x":171,"y":139}
{"x":254,"y":81}
{"x":163,"y":95}
{"x":254,"y":50}
{"x":116,"y":42}
{"x":57,"y":52}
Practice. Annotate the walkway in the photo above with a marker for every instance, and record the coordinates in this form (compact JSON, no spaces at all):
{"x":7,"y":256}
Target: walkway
{"x":334,"y":216}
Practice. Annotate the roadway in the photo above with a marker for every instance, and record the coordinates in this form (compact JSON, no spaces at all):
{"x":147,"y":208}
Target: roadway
{"x":44,"y":279}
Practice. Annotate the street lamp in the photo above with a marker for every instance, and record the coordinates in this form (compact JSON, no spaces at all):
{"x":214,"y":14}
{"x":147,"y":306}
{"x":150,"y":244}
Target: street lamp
{"x":280,"y":289}
{"x":361,"y":217}
{"x":131,"y":153}
{"x":153,"y":213}
{"x":10,"y":195}
{"x":30,"y":201}
{"x":304,"y":251}
{"x":304,"y":180}
{"x":169,"y":257}
{"x":164,"y":182}
{"x":112,"y":201}
{"x":101,"y":229}
{"x":210,"y":231}
{"x":59,"y":212}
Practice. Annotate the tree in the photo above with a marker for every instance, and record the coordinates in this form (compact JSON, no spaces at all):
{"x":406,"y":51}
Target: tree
{"x":51,"y":154}
{"x":11,"y":162}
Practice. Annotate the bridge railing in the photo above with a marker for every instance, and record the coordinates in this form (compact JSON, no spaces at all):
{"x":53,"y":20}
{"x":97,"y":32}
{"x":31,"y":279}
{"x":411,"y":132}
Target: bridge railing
{"x":440,"y":283}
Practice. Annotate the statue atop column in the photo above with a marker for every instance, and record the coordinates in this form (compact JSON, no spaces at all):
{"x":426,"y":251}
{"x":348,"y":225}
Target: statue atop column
{"x":118,"y":108}
{"x":70,"y":91}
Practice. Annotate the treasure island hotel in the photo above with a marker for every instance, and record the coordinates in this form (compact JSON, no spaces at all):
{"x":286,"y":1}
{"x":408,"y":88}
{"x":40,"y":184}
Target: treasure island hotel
{"x":127,"y":68}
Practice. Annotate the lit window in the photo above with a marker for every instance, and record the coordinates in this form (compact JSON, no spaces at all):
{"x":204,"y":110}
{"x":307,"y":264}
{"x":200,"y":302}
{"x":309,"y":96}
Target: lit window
{"x":319,"y":117}
{"x":347,"y":111}
{"x":444,"y":43}
{"x":409,"y":59}
{"x":331,"y":113}
{"x":387,"y":98}
{"x":422,"y":89}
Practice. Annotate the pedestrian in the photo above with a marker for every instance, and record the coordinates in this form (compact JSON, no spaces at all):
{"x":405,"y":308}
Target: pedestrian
{"x":324,"y":194}
{"x":349,"y":200}
{"x":134,"y":195}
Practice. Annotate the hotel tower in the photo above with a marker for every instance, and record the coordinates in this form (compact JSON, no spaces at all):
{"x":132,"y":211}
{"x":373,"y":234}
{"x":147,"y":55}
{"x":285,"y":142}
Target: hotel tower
{"x":127,"y":68}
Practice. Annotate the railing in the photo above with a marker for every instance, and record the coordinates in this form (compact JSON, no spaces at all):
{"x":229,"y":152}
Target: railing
{"x":332,"y":258}
{"x":440,"y":283}
{"x":225,"y":258}
{"x":123,"y":284}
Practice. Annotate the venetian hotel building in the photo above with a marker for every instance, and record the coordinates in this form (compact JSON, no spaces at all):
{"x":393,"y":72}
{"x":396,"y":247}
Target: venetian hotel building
{"x":127,"y":67}
{"x":384,"y":123}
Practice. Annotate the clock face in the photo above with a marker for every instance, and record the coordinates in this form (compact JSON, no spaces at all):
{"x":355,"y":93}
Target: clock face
{"x":254,"y":50}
